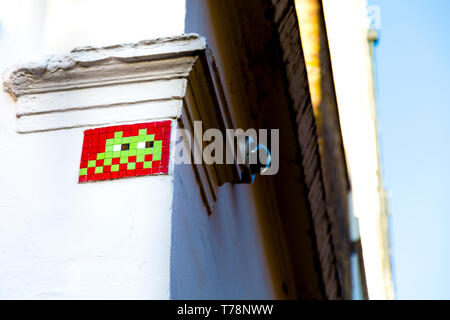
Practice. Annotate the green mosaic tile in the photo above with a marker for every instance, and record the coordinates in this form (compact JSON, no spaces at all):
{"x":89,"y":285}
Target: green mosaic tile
{"x":147,"y":164}
{"x":116,"y":154}
{"x":142,"y":138}
{"x":157,"y":156}
{"x":133,"y":145}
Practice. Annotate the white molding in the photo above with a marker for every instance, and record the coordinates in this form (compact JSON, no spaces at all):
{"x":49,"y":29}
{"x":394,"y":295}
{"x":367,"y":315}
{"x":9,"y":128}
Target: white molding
{"x":142,"y":112}
{"x":87,"y":66}
{"x":168,"y":78}
{"x":92,"y":86}
{"x":104,"y":96}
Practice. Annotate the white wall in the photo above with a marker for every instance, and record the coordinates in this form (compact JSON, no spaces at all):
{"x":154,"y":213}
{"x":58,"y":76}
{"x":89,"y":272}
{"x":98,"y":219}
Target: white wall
{"x":220,"y":256}
{"x":138,"y":238}
{"x":61,"y":239}
{"x":41,"y":27}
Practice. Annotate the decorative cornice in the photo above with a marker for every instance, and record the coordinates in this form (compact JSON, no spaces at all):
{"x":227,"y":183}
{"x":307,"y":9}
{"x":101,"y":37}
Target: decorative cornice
{"x":90,"y":67}
{"x":97,"y":86}
{"x":166,"y":78}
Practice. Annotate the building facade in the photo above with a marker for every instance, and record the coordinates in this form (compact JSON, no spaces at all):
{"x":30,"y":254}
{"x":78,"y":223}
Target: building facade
{"x":156,"y":228}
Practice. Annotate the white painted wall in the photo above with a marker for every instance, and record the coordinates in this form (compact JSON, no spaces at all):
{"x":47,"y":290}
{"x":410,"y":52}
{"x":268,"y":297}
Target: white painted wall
{"x":34,"y":28}
{"x":136,"y":238}
{"x":71,"y":23}
{"x":60,"y":239}
{"x":220,"y":256}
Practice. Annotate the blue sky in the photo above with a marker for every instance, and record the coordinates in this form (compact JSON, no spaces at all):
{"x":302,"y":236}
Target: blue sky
{"x":413,"y":83}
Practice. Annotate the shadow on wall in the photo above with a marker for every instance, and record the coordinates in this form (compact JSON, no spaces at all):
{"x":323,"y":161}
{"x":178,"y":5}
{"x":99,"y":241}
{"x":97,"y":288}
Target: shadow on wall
{"x":220,"y":256}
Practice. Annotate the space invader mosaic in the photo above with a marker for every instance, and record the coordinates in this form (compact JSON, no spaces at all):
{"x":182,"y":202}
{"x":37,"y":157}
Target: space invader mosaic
{"x":125,"y":151}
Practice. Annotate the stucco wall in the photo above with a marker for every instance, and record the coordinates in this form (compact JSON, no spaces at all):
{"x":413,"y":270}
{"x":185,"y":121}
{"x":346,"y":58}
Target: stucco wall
{"x":128,"y":238}
{"x":113,"y":239}
{"x":220,"y":256}
{"x":60,"y":239}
